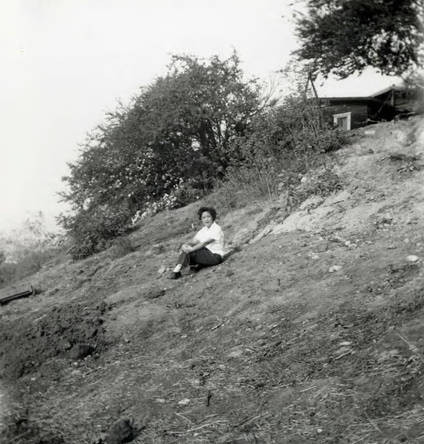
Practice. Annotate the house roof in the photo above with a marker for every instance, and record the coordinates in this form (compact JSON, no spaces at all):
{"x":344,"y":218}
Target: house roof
{"x":389,"y":88}
{"x":350,"y":99}
{"x":370,"y":98}
{"x":367,"y":85}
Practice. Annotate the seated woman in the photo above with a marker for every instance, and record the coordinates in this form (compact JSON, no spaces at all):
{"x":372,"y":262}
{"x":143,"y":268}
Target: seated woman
{"x":206,"y":248}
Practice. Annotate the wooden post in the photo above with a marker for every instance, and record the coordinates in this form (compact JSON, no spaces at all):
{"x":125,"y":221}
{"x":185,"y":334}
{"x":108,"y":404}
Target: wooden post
{"x":22,"y":294}
{"x":316,"y":98}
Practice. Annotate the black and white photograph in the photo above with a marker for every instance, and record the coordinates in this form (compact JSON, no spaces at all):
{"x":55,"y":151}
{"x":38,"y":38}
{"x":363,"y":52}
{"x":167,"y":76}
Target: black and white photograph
{"x":212,"y":222}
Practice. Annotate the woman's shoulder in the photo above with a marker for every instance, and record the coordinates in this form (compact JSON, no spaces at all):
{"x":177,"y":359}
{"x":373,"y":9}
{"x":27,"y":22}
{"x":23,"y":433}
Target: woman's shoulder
{"x":202,"y":230}
{"x":216,"y":226}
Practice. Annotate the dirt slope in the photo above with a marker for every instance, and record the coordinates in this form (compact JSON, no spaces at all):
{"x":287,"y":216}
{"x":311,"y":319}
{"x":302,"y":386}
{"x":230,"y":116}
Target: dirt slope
{"x":312,"y":332}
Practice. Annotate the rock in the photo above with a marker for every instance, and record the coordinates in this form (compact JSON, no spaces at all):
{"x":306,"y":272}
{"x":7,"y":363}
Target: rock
{"x":162,"y":269}
{"x":184,"y":401}
{"x":311,"y":203}
{"x":81,"y":351}
{"x":334,"y":268}
{"x":336,"y":238}
{"x":342,"y":351}
{"x":64,"y":345}
{"x":369,"y":132}
{"x":235,"y":353}
{"x":120,"y":432}
{"x":241,"y":236}
{"x":262,"y":234}
{"x":154,"y":293}
{"x":321,"y":248}
{"x":386,"y":219}
{"x":412,"y":258}
{"x":400,"y":136}
{"x":157,"y":249}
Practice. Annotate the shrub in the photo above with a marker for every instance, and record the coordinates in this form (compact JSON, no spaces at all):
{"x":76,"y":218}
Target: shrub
{"x":121,"y":246}
{"x":27,"y":248}
{"x":283,"y":144}
{"x":168,"y":146}
{"x":94,"y":229}
{"x":319,"y":182}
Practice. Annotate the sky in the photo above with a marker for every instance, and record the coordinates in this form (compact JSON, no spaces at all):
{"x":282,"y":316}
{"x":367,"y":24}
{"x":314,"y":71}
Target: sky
{"x":65,"y":63}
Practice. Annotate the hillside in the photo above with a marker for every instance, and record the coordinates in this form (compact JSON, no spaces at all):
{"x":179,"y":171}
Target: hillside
{"x":312,"y":331}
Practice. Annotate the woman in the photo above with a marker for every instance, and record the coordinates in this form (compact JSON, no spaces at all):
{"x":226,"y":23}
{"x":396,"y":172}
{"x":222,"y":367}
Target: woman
{"x":206,"y":248}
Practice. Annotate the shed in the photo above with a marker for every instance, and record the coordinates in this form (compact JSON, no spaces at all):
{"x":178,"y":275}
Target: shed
{"x":353,"y":112}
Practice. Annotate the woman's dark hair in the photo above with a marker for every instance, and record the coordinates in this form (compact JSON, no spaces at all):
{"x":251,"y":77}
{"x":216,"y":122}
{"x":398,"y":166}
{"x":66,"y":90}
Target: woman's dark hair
{"x":209,"y":210}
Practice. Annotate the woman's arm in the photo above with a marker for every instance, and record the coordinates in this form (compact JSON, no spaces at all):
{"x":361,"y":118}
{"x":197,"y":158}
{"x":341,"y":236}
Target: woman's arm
{"x":197,"y":246}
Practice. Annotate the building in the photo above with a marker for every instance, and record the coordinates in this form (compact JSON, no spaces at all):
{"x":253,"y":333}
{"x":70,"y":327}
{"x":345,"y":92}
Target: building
{"x":353,"y":112}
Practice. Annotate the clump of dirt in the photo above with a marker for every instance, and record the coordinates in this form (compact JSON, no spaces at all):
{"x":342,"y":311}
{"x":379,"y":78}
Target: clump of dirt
{"x":70,"y":330}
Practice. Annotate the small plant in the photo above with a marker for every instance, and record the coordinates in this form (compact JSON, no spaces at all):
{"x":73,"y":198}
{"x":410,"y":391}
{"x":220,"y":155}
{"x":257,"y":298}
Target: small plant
{"x":93,"y":229}
{"x":121,"y":246}
{"x":285,"y":144}
{"x":320,"y":182}
{"x":27,"y":249}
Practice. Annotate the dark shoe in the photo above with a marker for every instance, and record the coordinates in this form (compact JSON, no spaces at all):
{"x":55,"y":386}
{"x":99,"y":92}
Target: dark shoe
{"x":174,"y":275}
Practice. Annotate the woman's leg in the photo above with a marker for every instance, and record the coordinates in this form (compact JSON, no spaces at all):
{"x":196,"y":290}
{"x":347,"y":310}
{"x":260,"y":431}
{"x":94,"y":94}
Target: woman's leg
{"x":183,"y":261}
{"x":204,"y":258}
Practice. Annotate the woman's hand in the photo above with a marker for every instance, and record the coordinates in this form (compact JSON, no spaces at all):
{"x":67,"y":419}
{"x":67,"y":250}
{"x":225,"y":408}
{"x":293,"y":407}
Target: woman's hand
{"x":186,"y":248}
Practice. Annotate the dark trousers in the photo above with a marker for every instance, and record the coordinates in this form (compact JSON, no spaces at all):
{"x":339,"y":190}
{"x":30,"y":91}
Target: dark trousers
{"x":200,"y":258}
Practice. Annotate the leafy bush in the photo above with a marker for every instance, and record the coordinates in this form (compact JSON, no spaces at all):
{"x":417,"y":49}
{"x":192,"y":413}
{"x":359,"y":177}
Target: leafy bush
{"x":30,"y":263}
{"x":121,"y":246}
{"x":27,"y":248}
{"x":281,"y":146}
{"x":167,"y":146}
{"x":93,"y":230}
{"x":319,"y":182}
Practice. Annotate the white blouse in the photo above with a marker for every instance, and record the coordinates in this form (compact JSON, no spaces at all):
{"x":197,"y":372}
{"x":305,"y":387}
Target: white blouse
{"x":214,"y":232}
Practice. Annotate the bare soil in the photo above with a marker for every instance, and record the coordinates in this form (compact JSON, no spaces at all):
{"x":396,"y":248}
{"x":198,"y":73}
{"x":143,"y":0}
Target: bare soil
{"x":311,"y":332}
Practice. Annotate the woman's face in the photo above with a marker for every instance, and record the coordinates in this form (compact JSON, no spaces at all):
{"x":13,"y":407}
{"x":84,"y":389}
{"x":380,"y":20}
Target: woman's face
{"x":207,"y":220}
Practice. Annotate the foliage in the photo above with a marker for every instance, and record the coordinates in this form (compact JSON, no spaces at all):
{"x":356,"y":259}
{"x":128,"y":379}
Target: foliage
{"x":172,"y":138}
{"x":287,"y":139}
{"x":281,"y":146}
{"x":121,"y":246}
{"x":346,"y":36}
{"x":321,"y":181}
{"x":93,"y":229}
{"x":27,"y":248}
{"x":29,"y":263}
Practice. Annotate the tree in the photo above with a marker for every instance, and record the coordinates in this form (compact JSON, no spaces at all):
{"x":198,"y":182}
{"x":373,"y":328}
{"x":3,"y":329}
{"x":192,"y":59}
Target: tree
{"x":346,"y":36}
{"x":175,"y":134}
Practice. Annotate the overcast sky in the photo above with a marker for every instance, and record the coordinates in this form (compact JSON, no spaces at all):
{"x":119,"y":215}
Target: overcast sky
{"x":66,"y":62}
